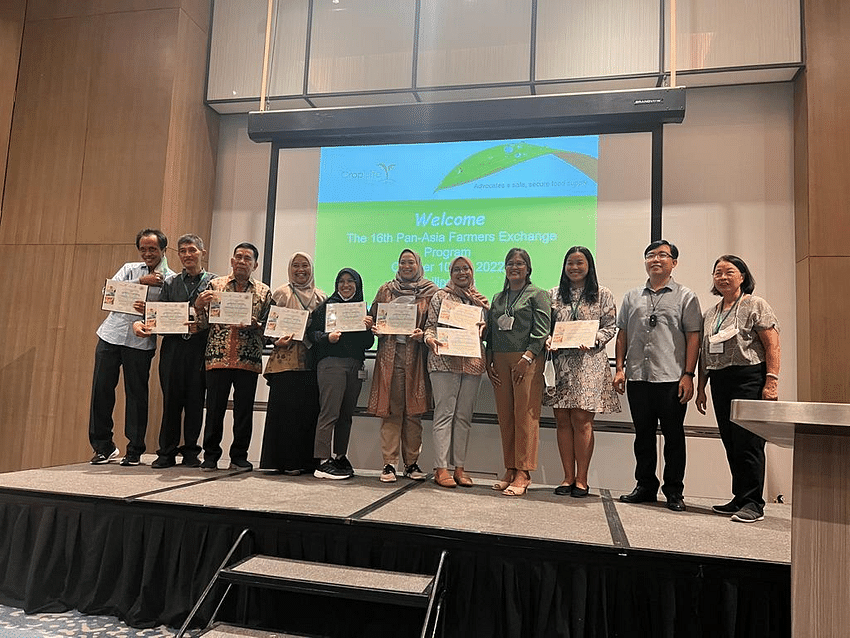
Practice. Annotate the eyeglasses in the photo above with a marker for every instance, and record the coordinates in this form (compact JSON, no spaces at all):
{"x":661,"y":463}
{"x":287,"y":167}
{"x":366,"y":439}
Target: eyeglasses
{"x":662,"y":255}
{"x":461,"y":269}
{"x":515,"y":264}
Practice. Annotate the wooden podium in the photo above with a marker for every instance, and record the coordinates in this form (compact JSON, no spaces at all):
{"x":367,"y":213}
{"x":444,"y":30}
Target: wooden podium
{"x":820,"y":510}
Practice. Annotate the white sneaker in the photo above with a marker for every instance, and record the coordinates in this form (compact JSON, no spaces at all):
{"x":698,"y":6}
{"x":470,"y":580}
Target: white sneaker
{"x":412,"y":471}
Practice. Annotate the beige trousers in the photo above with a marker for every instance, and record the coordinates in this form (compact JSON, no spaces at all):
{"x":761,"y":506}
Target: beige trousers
{"x":518,"y":406}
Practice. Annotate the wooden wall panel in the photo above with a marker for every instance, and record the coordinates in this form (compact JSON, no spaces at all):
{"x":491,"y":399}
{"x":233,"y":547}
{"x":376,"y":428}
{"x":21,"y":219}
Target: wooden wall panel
{"x":829,"y":341}
{"x":128,"y":125}
{"x":828,"y":82}
{"x":11,"y":31}
{"x":53,"y":9}
{"x":48,"y":136}
{"x":47,"y":360}
{"x":192,"y":143}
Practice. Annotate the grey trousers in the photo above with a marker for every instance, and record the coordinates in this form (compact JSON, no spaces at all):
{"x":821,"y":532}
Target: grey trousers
{"x":454,"y":402}
{"x":339,"y":388}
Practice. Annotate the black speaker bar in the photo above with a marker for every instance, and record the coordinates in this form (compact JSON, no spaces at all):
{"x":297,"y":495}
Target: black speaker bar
{"x":494,"y":118}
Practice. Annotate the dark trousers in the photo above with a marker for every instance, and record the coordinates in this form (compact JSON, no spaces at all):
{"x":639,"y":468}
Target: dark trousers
{"x":183,"y":381}
{"x":108,"y":361}
{"x":339,"y":387}
{"x":291,"y":414}
{"x":219,"y":382}
{"x":744,"y":450}
{"x":652,"y":404}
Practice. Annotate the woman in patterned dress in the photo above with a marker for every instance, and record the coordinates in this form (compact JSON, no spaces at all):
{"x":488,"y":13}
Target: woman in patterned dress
{"x":582,"y":375}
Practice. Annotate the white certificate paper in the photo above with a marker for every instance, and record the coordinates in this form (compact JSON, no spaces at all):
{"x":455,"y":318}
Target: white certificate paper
{"x":233,"y":308}
{"x":167,"y":317}
{"x":459,"y":342}
{"x":396,"y":319}
{"x":572,"y":334}
{"x":459,"y":315}
{"x":283,"y":322}
{"x":119,"y":296}
{"x":345,"y":317}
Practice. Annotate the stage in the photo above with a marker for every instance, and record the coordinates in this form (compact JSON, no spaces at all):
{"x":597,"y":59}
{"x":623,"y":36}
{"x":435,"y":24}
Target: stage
{"x":142,"y":544}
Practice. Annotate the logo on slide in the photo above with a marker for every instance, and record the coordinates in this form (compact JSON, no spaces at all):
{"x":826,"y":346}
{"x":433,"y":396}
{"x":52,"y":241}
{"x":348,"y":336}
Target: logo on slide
{"x":498,"y":158}
{"x":387,"y":168}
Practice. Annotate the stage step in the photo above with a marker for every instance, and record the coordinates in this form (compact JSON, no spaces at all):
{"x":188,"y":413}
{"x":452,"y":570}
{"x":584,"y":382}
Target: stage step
{"x":355,"y":583}
{"x":221,"y":630}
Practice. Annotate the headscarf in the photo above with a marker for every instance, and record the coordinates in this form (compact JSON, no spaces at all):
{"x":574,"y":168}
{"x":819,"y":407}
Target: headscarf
{"x":358,"y":283}
{"x":299,"y":296}
{"x":419,"y":287}
{"x":470,"y":293}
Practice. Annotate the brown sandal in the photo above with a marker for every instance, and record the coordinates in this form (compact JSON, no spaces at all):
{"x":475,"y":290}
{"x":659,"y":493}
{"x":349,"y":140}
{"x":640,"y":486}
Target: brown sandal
{"x":463,"y":480}
{"x":443,"y":478}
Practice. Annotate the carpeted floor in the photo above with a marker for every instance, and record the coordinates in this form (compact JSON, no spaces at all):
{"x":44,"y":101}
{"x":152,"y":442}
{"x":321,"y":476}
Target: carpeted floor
{"x":14,"y":623}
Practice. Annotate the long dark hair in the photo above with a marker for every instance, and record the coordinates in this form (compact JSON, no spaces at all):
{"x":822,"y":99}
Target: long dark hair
{"x":591,"y":283}
{"x":749,"y":282}
{"x":525,"y":257}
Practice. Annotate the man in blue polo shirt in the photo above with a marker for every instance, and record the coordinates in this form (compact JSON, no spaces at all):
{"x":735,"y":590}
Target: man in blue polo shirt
{"x":118,"y":347}
{"x":657,"y":350}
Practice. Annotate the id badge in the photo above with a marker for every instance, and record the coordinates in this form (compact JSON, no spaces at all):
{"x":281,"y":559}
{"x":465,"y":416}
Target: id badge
{"x":362,"y":374}
{"x":716,"y":348}
{"x":505,"y":322}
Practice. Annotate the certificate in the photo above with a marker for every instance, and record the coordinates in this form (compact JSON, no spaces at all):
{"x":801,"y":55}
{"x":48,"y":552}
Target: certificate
{"x":572,"y":334}
{"x":283,"y":322}
{"x":119,"y":296}
{"x":459,"y":342}
{"x":167,"y":317}
{"x":459,"y":315}
{"x":396,"y":319}
{"x":345,"y":317}
{"x":233,"y":308}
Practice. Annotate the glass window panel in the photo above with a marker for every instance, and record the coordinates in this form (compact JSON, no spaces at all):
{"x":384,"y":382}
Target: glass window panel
{"x":473,"y":42}
{"x":728,"y":33}
{"x":594,"y":38}
{"x":361,"y":45}
{"x":286,"y":62}
{"x":236,"y":49}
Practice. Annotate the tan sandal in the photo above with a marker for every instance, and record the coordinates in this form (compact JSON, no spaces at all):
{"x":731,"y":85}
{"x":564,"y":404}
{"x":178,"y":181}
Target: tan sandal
{"x":500,"y":486}
{"x":515,"y":490}
{"x":463,"y":480}
{"x":443,"y":478}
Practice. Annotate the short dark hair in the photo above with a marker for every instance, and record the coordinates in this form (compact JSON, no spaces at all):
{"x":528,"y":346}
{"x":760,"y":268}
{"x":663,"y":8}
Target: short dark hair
{"x":190,"y":238}
{"x":674,"y":252}
{"x":591,"y":284}
{"x":161,"y":239}
{"x":250,"y":247}
{"x":749,"y":282}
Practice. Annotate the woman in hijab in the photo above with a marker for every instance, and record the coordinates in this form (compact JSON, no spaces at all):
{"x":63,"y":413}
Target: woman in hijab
{"x":400,"y":392}
{"x":339,"y":357}
{"x":455,"y":380}
{"x":293,"y":404}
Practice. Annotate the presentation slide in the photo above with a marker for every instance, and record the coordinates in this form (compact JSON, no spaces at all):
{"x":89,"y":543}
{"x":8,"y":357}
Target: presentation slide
{"x":477,"y":199}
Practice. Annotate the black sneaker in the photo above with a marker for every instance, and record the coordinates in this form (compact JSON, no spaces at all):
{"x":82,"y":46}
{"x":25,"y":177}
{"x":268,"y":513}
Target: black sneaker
{"x":330,"y":470}
{"x":343,"y":463}
{"x":191,"y":460}
{"x":412,"y":471}
{"x":162,"y":462}
{"x":100,"y":459}
{"x":726,"y":508}
{"x":130,"y":459}
{"x":747,"y":515}
{"x":388,"y":474}
{"x":241,"y":464}
{"x":209,"y":465}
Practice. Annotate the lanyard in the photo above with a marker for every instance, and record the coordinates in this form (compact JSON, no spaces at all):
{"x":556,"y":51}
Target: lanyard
{"x":509,"y":307}
{"x":575,"y":306}
{"x":721,"y":317}
{"x":189,"y":293}
{"x":297,"y":296}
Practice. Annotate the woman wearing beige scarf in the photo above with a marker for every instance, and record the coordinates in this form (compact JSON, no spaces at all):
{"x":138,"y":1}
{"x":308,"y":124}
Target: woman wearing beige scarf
{"x":293,"y":404}
{"x":400,"y":389}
